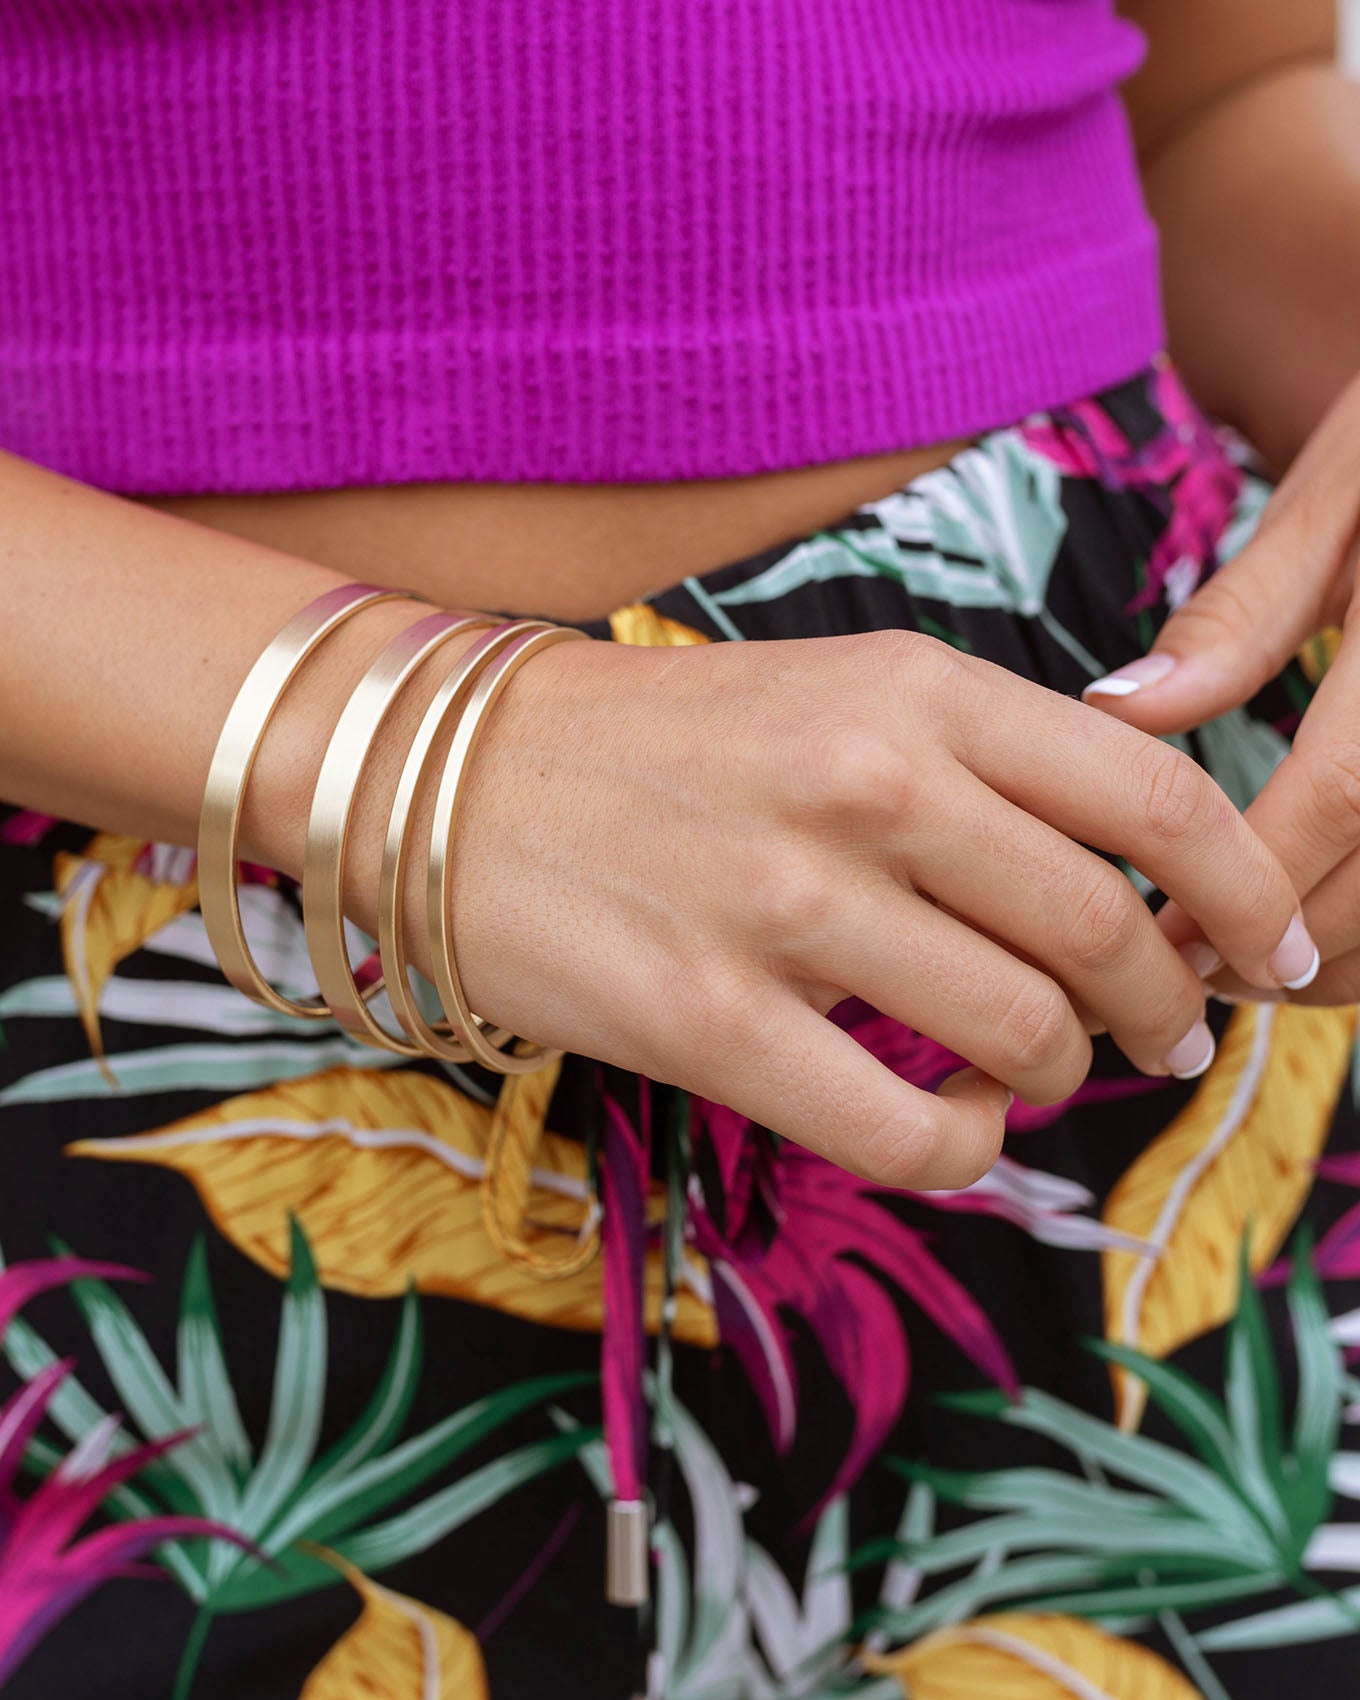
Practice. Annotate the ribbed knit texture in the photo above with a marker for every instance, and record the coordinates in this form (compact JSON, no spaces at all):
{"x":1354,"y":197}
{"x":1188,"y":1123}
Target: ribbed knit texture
{"x":267,"y":244}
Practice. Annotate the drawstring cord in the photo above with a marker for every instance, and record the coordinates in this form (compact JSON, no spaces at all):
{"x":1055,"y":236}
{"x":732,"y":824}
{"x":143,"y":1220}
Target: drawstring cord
{"x":619,"y":1162}
{"x":625,"y":1180}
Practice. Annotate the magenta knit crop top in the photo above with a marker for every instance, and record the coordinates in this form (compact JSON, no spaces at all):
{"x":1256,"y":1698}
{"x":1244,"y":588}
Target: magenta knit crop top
{"x":279,"y":244}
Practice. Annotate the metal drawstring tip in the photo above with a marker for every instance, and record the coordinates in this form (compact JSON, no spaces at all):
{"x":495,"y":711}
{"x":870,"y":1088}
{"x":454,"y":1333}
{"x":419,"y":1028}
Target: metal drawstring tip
{"x":626,"y":1544}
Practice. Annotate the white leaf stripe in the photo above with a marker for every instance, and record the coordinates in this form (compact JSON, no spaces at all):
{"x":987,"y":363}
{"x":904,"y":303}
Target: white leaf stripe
{"x":1078,"y":1686}
{"x":78,"y":896}
{"x":462,"y":1163}
{"x":429,"y":1643}
{"x":1173,"y":1206}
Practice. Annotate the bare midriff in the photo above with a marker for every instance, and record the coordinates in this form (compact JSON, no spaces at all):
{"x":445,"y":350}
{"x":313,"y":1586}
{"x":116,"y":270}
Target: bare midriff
{"x":570,"y":552}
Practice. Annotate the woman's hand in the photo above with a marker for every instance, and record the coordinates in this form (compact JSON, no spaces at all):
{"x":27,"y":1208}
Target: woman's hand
{"x":1296,"y":578}
{"x":680,"y":860}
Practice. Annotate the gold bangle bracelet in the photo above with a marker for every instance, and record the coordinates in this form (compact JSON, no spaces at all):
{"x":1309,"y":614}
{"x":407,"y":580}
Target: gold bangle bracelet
{"x":434,"y":1040}
{"x":439,"y":884}
{"x":219,"y":825}
{"x":342,"y":770}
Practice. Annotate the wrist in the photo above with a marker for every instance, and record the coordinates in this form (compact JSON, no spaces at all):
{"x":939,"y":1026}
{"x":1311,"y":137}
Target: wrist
{"x":279,"y":797}
{"x":530,"y":727}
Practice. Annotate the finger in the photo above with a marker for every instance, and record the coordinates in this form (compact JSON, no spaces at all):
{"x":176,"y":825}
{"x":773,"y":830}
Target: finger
{"x":1115,"y":788}
{"x":1336,"y":983}
{"x":1308,"y":811}
{"x":1332,"y":911}
{"x":809,"y":1080}
{"x":1077,"y":917}
{"x":1091,"y":1022}
{"x":1241,"y":627}
{"x":933,"y":972}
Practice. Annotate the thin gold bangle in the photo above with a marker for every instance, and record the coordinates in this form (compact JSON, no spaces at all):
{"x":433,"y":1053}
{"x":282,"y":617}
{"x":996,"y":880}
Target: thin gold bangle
{"x":219,"y":825}
{"x":342,"y":771}
{"x":439,"y":882}
{"x":447,"y":700}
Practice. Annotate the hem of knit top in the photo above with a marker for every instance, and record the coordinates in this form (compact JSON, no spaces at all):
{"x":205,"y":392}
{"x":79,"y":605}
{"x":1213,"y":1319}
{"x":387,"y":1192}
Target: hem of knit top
{"x":254,"y":416}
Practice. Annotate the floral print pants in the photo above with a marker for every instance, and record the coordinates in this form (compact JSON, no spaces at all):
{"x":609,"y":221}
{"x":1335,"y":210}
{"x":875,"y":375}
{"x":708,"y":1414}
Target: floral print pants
{"x":320,"y":1368}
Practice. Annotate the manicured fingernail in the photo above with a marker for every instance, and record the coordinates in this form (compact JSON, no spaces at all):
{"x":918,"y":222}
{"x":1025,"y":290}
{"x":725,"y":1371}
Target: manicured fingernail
{"x":1124,"y":681}
{"x":1190,"y":1056}
{"x":1296,"y":960}
{"x":1201,"y":958}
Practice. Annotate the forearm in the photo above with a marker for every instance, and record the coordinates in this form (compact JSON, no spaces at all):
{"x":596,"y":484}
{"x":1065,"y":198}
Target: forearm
{"x":1258,"y":201}
{"x":124,"y":636}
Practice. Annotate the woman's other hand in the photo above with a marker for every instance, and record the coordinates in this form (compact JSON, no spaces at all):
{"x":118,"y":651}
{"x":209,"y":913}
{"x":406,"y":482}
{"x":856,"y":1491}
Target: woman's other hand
{"x":1295,"y":579}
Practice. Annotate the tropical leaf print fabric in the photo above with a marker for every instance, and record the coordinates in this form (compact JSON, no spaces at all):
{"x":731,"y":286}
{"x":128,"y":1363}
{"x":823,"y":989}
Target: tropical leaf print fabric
{"x":318,"y":1370}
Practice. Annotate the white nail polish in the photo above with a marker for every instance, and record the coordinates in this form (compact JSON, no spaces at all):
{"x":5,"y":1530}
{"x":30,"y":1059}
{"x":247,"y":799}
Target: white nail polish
{"x":1191,"y":1055}
{"x":1308,"y":976}
{"x":1294,"y":961}
{"x":1124,"y":681}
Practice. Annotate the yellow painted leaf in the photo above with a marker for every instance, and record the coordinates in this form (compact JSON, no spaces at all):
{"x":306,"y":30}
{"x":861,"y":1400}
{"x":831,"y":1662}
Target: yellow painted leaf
{"x":642,"y":625}
{"x":1319,"y":652}
{"x":1028,"y":1656}
{"x":1238,"y":1155}
{"x":111,"y":910}
{"x":383,"y":1169}
{"x":399,"y":1650}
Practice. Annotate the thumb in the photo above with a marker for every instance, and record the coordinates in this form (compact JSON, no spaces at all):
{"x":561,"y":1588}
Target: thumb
{"x":1241,"y":628}
{"x":1232,"y":637}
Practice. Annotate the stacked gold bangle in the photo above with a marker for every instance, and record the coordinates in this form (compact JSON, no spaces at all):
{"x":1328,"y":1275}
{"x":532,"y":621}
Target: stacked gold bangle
{"x":461,"y":705}
{"x":491,"y":677}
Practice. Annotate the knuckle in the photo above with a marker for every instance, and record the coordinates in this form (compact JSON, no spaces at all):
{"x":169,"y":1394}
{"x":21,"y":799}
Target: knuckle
{"x":911,"y":1151}
{"x":1063,"y":1077}
{"x":906,"y":663}
{"x":723,"y":1019}
{"x":1105,"y":924}
{"x":1177,"y":796}
{"x":898,"y":646}
{"x":1035,"y":1028}
{"x":851,"y":769}
{"x":793,"y":900}
{"x":899,"y":1148}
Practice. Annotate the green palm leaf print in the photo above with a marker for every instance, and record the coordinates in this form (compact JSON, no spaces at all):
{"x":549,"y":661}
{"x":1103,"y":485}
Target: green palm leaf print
{"x":284,"y":1496}
{"x":1227,"y":1515}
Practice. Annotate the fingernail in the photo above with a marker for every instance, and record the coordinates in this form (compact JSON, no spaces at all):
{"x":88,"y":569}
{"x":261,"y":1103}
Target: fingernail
{"x":1010,"y":1099}
{"x":1190,"y":1056}
{"x":1200,"y":958}
{"x":1124,"y":681}
{"x":1296,"y":960}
